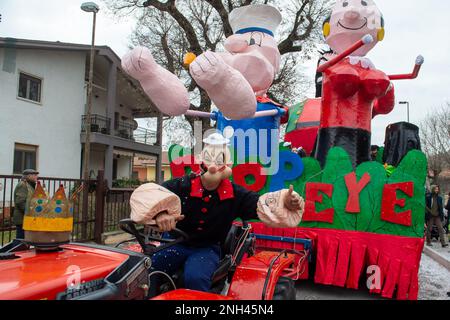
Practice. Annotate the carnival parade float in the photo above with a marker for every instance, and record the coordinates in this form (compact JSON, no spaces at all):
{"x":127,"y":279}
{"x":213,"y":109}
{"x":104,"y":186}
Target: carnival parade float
{"x":333,"y":216}
{"x":365,"y":218}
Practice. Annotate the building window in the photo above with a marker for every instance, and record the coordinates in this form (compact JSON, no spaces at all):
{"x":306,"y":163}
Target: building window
{"x":29,"y":87}
{"x":25,"y":157}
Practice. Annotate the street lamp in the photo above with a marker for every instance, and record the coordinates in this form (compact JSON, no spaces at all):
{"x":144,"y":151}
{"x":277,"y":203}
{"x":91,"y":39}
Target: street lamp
{"x":407,"y":103}
{"x":90,"y":7}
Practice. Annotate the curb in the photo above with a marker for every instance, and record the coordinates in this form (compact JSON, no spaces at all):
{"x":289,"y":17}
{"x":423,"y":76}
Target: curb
{"x":436,"y":256}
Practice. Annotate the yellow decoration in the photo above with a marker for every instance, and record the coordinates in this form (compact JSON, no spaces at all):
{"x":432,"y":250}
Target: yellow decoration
{"x":380,"y":34}
{"x":326,"y":29}
{"x":188,"y":59}
{"x":47,"y":225}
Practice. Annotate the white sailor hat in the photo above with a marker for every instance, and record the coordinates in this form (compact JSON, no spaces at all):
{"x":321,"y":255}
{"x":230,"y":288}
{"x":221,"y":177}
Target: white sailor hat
{"x":216,"y":139}
{"x":255,"y":18}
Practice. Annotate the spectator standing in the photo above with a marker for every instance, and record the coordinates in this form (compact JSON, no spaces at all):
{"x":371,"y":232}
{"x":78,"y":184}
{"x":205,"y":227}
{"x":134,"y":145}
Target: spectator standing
{"x":22,"y":195}
{"x":374,"y":152}
{"x":447,"y":218}
{"x":434,"y":215}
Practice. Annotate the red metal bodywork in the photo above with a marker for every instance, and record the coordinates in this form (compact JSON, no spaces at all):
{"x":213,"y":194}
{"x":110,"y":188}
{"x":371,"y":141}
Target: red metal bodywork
{"x":250,"y":276}
{"x":253,"y":272}
{"x":38,"y":276}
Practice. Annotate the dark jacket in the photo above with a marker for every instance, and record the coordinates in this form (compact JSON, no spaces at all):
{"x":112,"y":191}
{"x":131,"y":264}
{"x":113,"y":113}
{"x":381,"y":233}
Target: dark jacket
{"x":429,"y":205}
{"x":22,"y":195}
{"x":209,"y":215}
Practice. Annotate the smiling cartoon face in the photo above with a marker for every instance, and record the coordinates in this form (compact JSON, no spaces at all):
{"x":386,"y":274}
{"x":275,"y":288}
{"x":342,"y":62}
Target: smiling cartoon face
{"x":350,"y":20}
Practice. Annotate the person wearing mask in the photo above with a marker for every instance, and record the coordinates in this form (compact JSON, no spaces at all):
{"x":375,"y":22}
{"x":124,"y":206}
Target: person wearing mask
{"x":209,"y":202}
{"x":435,"y":215}
{"x":22,"y":195}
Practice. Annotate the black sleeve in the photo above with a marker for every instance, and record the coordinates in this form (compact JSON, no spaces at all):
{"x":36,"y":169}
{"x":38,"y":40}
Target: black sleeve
{"x":173,"y":185}
{"x":246,"y":203}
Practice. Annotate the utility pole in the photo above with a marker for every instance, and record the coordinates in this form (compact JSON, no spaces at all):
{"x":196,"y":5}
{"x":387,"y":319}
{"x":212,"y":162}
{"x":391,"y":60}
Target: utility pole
{"x":407,"y":104}
{"x":89,"y":7}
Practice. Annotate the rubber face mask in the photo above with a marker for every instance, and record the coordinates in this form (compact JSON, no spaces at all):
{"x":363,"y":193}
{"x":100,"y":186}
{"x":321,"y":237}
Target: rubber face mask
{"x":215,"y":163}
{"x":351,"y":20}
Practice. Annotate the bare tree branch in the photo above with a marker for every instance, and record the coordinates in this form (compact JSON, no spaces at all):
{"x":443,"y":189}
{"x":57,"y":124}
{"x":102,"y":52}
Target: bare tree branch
{"x":435,"y":137}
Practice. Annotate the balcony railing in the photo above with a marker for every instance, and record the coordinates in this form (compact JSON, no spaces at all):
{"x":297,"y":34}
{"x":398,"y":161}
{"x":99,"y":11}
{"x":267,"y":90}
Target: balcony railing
{"x":101,"y":124}
{"x":145,"y":136}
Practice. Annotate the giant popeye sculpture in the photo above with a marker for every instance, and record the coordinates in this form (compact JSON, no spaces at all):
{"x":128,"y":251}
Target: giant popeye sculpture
{"x":236,"y":80}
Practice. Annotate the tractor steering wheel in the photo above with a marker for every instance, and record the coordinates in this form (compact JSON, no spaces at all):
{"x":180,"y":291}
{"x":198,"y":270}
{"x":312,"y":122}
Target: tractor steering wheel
{"x":129,"y":226}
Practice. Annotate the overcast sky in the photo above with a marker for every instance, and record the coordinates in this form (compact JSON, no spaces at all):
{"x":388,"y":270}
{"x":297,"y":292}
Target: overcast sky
{"x":412,"y":27}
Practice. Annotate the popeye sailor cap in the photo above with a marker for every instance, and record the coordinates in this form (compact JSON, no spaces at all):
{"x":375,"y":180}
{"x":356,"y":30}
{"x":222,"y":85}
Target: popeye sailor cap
{"x":255,"y":18}
{"x":216,"y":139}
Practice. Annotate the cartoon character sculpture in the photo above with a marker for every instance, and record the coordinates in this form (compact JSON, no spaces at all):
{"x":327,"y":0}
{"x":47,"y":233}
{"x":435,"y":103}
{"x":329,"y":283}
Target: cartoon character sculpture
{"x":236,"y":80}
{"x":354,"y":91}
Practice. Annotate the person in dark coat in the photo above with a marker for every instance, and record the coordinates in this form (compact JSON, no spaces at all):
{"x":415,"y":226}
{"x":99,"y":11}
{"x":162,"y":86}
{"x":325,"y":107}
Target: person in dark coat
{"x":434,"y":215}
{"x":447,"y":218}
{"x":22,"y":194}
{"x":374,"y":152}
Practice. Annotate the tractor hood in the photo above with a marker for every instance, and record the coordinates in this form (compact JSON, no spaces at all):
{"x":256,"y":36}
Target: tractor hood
{"x":42,"y":275}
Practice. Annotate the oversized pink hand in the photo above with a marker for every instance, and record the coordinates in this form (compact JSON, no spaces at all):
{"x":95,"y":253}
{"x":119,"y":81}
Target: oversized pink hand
{"x":165,"y":90}
{"x":226,"y":87}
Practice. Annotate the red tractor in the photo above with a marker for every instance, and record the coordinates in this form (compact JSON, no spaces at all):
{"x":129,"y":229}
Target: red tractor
{"x":256,"y":265}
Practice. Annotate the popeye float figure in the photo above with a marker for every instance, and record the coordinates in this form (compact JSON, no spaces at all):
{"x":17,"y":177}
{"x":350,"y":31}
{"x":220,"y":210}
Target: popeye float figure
{"x":253,"y":51}
{"x":236,"y":80}
{"x":354,"y":91}
{"x":204,"y":205}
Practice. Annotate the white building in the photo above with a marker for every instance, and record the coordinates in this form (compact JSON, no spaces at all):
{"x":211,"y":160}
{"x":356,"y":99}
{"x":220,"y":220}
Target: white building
{"x":43,"y":94}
